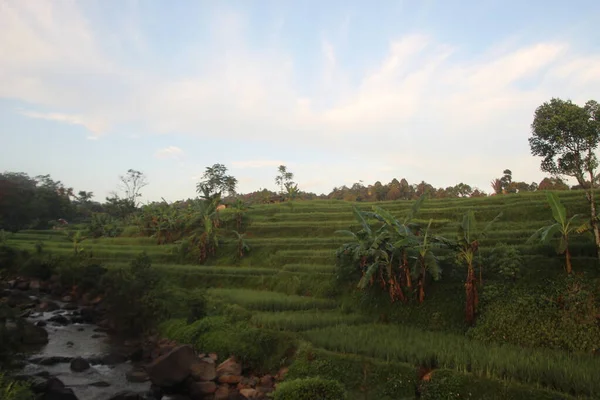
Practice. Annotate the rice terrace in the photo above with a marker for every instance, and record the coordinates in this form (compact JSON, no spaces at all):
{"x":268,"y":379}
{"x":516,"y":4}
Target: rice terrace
{"x":169,"y":231}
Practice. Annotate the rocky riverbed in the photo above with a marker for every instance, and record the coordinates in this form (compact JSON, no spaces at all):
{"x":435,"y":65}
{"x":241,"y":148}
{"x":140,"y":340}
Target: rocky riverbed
{"x":71,"y":355}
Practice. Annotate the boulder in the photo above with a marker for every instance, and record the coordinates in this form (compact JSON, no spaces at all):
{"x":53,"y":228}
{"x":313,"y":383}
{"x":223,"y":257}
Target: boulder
{"x":199,"y":390}
{"x":35,"y":285}
{"x":214,"y":356}
{"x":33,"y":335}
{"x":229,"y":366}
{"x":23,"y":285}
{"x":41,"y":323}
{"x":230,"y":379}
{"x":67,"y":299}
{"x":137,"y":375}
{"x":59,"y":319}
{"x":59,"y":394}
{"x":222,"y":392}
{"x":79,"y":365}
{"x":172,"y":368}
{"x":70,"y":307}
{"x":203,"y":370}
{"x":249,"y":393}
{"x":88,"y":314}
{"x":113,"y":359}
{"x":266,"y":381}
{"x":127,"y":395}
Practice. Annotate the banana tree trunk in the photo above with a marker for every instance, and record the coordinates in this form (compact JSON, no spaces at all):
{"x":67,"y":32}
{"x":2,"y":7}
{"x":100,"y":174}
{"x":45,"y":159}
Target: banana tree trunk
{"x":471,"y":295}
{"x":568,"y":260}
{"x":406,"y":270}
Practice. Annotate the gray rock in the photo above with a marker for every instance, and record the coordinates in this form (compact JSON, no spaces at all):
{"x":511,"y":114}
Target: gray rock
{"x":203,"y":370}
{"x":59,"y":319}
{"x":172,"y":368}
{"x":137,"y":376}
{"x":70,"y":306}
{"x":79,"y":365}
{"x":33,"y":335}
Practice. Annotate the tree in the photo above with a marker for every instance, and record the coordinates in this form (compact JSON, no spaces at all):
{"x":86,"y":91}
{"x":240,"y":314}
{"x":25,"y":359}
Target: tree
{"x":552,"y":184}
{"x":566,"y":136}
{"x":216,"y":181}
{"x":562,"y":226}
{"x":284,"y":179}
{"x":425,"y":262}
{"x":467,"y":244}
{"x":506,"y":181}
{"x":132,"y":183}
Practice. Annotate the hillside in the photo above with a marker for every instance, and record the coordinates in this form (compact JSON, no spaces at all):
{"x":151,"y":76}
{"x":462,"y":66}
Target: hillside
{"x":287,"y":283}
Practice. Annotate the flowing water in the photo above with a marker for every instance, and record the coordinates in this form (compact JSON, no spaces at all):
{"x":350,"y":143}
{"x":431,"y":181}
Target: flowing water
{"x":100,"y":382}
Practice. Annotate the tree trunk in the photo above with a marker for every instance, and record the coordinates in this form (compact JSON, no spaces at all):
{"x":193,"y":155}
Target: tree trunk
{"x":568,"y":260}
{"x":406,"y":269}
{"x":593,"y":221}
{"x":471,"y":295}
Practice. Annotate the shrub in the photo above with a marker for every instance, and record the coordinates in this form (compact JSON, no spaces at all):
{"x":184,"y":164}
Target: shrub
{"x":137,"y":299}
{"x":40,"y":266}
{"x":310,"y":389}
{"x":447,"y":385}
{"x":506,"y":261}
{"x":11,"y":390}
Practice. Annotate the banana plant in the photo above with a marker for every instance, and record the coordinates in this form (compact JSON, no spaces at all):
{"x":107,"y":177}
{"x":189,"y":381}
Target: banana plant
{"x":426,"y":261}
{"x":467,"y":246}
{"x":242,"y":245}
{"x":562,"y":226}
{"x":76,"y":238}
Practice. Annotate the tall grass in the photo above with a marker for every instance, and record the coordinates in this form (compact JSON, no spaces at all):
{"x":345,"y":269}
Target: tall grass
{"x":569,"y":373}
{"x":270,"y":301}
{"x":304,"y":320}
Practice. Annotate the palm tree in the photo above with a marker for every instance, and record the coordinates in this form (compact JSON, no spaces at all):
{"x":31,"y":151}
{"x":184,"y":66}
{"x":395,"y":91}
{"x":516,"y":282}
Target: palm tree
{"x":467,"y":244}
{"x":561,"y":226}
{"x":239,"y":207}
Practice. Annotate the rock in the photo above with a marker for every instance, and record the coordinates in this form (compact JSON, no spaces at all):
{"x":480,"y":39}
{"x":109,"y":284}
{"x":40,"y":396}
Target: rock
{"x":248,"y":393}
{"x":59,"y":319}
{"x":26,"y":314}
{"x":214,"y":356}
{"x":97,"y":336}
{"x":127,"y":395}
{"x":222,"y":392}
{"x":231,"y":379}
{"x":53,"y":360}
{"x":137,"y":376}
{"x":113,"y":359}
{"x":100,"y":384}
{"x":203,"y":370}
{"x":229,"y":366}
{"x":41,"y":323}
{"x":88,"y":315}
{"x":17,"y":298}
{"x":34,"y":285}
{"x":70,"y":307}
{"x":79,"y":365}
{"x":70,"y":344}
{"x":266,"y":381}
{"x":33,"y":335}
{"x":59,"y":394}
{"x":198,"y":390}
{"x":80,"y":329}
{"x":23,"y":285}
{"x":77,"y":320}
{"x":27,"y":306}
{"x":11,"y":284}
{"x":66,"y":299}
{"x":281,"y":374}
{"x":175,"y":397}
{"x":173,"y":367}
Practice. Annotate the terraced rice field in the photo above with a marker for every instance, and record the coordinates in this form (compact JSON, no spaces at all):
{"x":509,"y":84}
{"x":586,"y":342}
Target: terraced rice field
{"x":285,"y":282}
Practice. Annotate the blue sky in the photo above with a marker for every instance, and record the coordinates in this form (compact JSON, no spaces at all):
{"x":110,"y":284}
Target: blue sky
{"x":339,"y":91}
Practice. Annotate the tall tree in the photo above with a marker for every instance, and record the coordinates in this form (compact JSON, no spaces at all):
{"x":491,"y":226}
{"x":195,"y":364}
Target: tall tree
{"x":131,"y":184}
{"x":216,"y":181}
{"x":566,"y":135}
{"x":284,"y":178}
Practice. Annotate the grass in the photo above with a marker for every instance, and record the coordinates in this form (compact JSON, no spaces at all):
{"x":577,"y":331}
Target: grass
{"x":304,"y":320}
{"x":569,"y":373}
{"x":270,"y":301}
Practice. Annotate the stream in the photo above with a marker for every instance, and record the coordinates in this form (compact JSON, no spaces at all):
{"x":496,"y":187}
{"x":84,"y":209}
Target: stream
{"x":69,"y":339}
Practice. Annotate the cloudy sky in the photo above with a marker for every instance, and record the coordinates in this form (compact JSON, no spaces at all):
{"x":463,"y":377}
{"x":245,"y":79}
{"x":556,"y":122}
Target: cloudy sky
{"x":339,"y":91}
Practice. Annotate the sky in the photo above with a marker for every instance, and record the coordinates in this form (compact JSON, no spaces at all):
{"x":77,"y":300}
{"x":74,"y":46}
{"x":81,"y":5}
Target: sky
{"x":338,"y":91}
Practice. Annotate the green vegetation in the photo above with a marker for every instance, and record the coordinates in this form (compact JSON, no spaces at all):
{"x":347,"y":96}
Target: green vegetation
{"x":310,"y":389}
{"x":395,"y":291}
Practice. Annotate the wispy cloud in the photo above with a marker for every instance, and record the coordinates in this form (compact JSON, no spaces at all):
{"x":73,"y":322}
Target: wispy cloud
{"x":420,"y":105}
{"x":258,"y":163}
{"x":169,"y":152}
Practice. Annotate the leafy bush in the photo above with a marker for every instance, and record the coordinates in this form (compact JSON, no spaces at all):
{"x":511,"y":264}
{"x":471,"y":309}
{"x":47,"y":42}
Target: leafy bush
{"x":40,"y":266}
{"x":559,"y":315}
{"x":104,"y":225}
{"x":137,"y":299}
{"x":310,"y":389}
{"x":506,"y":261}
{"x":376,"y":379}
{"x":11,"y":258}
{"x":11,"y":390}
{"x":258,"y":349}
{"x":447,"y":385}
